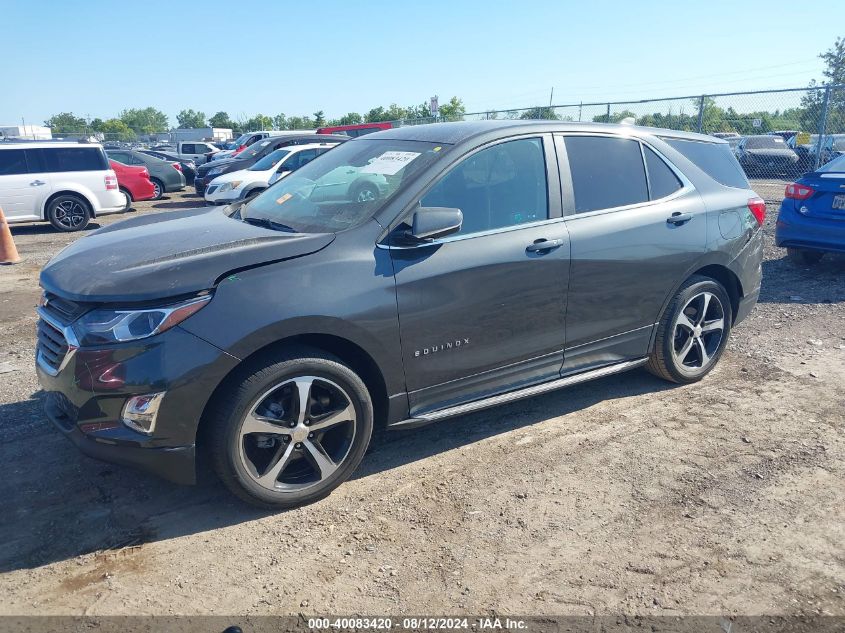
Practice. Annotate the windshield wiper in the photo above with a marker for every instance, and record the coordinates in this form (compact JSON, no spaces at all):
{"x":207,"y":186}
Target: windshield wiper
{"x":267,"y":223}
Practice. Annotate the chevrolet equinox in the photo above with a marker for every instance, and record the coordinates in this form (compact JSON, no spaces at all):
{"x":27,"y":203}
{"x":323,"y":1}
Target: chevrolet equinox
{"x":404,"y":277}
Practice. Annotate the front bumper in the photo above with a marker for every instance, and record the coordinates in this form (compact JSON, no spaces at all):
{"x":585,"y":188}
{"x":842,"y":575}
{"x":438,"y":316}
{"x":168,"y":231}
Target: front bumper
{"x":85,"y":399}
{"x":199,"y":185}
{"x":226,"y":197}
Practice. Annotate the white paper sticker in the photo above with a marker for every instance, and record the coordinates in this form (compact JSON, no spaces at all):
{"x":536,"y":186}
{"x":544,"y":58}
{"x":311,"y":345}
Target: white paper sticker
{"x":389,"y":163}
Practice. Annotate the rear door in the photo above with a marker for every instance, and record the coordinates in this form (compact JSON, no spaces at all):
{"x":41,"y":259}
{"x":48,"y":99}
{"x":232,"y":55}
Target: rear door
{"x":482,"y":311}
{"x":21,"y":192}
{"x":635,"y":224}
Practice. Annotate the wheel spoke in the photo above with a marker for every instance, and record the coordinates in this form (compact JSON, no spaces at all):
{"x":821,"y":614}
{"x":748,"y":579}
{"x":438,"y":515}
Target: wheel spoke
{"x":303,"y":389}
{"x":705,"y":357}
{"x":254,"y":423}
{"x":282,"y":457}
{"x":333,"y":419}
{"x":714,"y":325}
{"x":684,"y":351}
{"x":321,"y":460}
{"x":683,"y":321}
{"x":699,"y":319}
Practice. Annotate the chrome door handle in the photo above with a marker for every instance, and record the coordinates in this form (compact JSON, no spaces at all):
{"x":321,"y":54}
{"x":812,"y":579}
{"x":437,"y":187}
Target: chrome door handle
{"x":540,"y":246}
{"x":37,"y":183}
{"x":679,"y":218}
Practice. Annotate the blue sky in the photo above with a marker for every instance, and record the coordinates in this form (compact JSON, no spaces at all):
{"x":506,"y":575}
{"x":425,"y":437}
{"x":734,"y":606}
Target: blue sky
{"x":96,"y":58}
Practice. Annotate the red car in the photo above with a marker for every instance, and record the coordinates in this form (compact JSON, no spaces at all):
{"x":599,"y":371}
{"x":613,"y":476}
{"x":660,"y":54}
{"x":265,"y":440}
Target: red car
{"x":134,"y":182}
{"x":356,"y":130}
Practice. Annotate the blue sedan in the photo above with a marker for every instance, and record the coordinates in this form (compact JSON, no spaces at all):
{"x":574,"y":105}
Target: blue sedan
{"x":811,"y":221}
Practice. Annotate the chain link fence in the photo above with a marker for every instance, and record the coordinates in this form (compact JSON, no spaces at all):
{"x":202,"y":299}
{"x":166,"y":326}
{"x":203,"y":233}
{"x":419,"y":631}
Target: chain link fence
{"x":776,"y":135}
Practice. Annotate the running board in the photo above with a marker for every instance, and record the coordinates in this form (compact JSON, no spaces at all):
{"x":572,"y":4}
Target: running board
{"x":519,"y":394}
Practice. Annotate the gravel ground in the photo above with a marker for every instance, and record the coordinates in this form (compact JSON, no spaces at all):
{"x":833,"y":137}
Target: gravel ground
{"x":625,"y":495}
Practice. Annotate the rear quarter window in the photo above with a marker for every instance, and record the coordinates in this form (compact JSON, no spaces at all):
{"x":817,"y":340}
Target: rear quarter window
{"x":714,"y":159}
{"x":74,"y":159}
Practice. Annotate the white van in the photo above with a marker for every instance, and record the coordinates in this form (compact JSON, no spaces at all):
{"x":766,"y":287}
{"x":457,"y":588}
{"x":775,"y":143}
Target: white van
{"x":63,"y":183}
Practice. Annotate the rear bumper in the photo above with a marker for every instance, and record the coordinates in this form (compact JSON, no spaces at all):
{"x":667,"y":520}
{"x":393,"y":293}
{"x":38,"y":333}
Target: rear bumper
{"x":795,"y":230}
{"x":746,"y":305}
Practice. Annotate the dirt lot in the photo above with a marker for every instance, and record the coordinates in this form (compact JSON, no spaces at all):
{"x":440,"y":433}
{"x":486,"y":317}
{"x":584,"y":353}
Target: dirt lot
{"x":626,"y":495}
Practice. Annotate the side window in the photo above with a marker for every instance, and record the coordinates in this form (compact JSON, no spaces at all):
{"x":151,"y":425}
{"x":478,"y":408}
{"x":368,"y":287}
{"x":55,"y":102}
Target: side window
{"x":606,"y":172}
{"x":189,"y":148}
{"x":74,"y":159}
{"x":714,"y":159}
{"x":35,"y":161}
{"x":306,"y":157}
{"x":135,"y":160}
{"x":120,"y":157}
{"x":662,"y":181}
{"x":503,"y":185}
{"x":12,"y":162}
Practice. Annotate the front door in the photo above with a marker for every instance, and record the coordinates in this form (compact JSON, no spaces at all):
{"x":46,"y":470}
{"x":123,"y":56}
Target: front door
{"x":482,"y":311}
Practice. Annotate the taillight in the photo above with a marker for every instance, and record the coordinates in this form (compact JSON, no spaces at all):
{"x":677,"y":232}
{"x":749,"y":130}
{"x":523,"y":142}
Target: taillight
{"x":797,"y":191}
{"x":145,"y":173}
{"x":111,"y":182}
{"x":757,"y":206}
{"x":177,"y":166}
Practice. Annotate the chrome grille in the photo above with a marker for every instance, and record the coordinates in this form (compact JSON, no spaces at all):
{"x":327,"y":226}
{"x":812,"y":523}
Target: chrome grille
{"x":63,"y":309}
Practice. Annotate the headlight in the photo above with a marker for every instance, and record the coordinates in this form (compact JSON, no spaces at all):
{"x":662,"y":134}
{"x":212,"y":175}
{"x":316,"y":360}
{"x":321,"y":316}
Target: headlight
{"x":214,"y":172}
{"x":229,"y":185}
{"x":103,"y":326}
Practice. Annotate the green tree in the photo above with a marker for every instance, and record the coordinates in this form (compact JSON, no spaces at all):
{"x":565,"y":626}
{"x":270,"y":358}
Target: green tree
{"x":190,"y":119}
{"x":300,"y":123}
{"x":66,"y":123}
{"x":116,"y":130}
{"x":258,"y":122}
{"x":319,"y":119}
{"x":145,"y":120}
{"x":350,"y":118}
{"x":454,"y":109}
{"x":280,"y":121}
{"x":221,"y":119}
{"x":540,"y":113}
{"x":375,"y":115}
{"x":96,"y":125}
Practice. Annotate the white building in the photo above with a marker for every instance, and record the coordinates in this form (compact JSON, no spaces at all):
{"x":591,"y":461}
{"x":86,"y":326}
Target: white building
{"x":29,"y":132}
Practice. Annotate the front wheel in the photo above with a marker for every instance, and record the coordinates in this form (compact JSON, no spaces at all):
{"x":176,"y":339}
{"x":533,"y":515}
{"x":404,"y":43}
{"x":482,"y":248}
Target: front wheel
{"x":803,"y":257}
{"x":68,"y":213}
{"x":127,"y":199}
{"x":693,"y":332}
{"x":291,"y":429}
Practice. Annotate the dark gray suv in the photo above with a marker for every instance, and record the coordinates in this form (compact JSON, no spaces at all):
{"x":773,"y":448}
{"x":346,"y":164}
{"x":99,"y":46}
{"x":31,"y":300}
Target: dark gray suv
{"x":405,"y":277}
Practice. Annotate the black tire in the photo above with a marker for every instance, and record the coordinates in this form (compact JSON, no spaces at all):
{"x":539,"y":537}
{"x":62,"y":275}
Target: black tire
{"x":158,"y":188}
{"x":687,"y":353}
{"x":365,"y":192}
{"x":266,"y":387}
{"x":68,"y":213}
{"x":128,"y":197}
{"x":804,"y":257}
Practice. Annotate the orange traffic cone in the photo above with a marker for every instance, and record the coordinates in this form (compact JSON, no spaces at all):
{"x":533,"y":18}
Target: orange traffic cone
{"x":8,"y":251}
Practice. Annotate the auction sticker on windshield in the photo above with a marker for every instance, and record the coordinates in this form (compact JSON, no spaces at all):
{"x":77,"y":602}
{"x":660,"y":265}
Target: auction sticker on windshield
{"x":389,"y":163}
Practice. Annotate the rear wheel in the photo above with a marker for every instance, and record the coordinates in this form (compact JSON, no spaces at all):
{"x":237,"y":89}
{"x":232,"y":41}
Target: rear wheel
{"x":128,"y":199}
{"x":803,"y":257}
{"x":68,"y":213}
{"x":158,"y":188}
{"x":291,"y":429}
{"x":366,"y":192}
{"x":693,"y":332}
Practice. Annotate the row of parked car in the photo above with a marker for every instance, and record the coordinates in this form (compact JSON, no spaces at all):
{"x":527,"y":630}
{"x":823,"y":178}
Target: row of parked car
{"x":785,"y":153}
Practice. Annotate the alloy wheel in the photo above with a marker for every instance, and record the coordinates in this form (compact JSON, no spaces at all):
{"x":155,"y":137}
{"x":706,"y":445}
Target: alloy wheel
{"x":70,"y":213}
{"x":698,"y":333}
{"x":366,"y":195}
{"x":157,"y":192}
{"x":297,"y":434}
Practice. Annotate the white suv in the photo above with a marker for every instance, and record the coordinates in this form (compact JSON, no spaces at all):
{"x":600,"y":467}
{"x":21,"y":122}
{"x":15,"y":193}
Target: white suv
{"x":66,"y":184}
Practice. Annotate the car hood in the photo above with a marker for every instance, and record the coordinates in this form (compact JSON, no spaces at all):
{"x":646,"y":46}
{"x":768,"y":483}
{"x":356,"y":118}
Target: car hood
{"x":168,"y":254}
{"x":226,"y":163}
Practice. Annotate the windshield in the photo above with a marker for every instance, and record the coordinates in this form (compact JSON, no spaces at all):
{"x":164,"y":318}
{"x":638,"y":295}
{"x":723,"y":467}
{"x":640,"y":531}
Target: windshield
{"x":270,"y":161}
{"x":342,"y":188}
{"x":836,"y":165}
{"x":255,"y":149}
{"x":765,"y":142}
{"x":243,"y":138}
{"x":839,"y":143}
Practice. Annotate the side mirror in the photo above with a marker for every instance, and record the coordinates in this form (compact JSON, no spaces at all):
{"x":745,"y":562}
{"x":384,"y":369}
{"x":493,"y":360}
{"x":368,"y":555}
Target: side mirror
{"x":430,"y":223}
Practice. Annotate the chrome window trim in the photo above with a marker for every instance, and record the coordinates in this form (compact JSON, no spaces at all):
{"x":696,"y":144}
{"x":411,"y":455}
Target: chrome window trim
{"x":70,"y":338}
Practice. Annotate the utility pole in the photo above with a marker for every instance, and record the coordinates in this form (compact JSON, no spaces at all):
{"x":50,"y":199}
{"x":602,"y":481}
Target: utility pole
{"x":551,"y":96}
